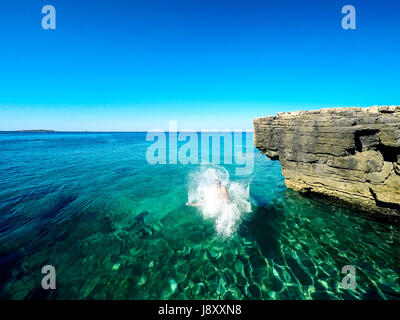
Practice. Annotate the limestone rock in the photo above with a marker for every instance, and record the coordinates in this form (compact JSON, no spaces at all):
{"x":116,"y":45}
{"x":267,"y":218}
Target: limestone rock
{"x":352,"y":154}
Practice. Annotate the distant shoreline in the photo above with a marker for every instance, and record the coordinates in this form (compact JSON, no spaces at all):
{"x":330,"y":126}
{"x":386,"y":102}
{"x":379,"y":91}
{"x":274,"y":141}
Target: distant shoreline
{"x":36,"y":130}
{"x":55,"y":131}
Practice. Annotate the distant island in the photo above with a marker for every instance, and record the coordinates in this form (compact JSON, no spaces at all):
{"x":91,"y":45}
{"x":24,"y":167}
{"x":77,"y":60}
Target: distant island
{"x":39,"y":130}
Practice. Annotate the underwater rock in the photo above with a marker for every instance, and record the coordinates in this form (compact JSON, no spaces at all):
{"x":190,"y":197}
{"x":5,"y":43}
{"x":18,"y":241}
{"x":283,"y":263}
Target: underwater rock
{"x":214,"y":253}
{"x":139,"y":227}
{"x":173,"y":285}
{"x":108,"y":263}
{"x":180,"y":277}
{"x":196,"y":237}
{"x":254,"y":292}
{"x":238,"y":266}
{"x":116,"y":266}
{"x":140,"y":217}
{"x":350,"y":154}
{"x":142,"y":280}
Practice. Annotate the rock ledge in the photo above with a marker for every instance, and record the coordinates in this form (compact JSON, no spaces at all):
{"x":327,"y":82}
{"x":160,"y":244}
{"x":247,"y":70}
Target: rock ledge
{"x":351,"y":154}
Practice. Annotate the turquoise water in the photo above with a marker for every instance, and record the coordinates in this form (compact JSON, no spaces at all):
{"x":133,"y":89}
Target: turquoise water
{"x":116,"y":227}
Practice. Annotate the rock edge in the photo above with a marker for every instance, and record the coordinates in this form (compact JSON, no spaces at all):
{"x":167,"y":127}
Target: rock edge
{"x":350,"y":154}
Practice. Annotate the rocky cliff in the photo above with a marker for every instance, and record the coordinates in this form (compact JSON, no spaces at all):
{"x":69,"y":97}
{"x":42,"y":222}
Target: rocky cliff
{"x":351,"y":154}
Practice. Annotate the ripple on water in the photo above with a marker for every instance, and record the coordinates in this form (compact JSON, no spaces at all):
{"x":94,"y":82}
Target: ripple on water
{"x":82,"y":221}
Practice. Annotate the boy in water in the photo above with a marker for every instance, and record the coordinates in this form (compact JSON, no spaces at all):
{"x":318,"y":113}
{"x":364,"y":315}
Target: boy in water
{"x":221,"y":191}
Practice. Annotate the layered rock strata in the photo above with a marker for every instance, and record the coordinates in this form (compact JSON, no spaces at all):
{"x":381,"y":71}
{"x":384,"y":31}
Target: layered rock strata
{"x":351,"y":154}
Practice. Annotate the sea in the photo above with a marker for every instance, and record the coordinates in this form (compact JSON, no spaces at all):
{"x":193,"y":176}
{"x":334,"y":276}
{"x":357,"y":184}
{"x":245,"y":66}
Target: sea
{"x":113,"y":225}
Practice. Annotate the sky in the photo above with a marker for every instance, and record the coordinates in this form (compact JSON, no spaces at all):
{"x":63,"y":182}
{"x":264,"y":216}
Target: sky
{"x":136,"y":65}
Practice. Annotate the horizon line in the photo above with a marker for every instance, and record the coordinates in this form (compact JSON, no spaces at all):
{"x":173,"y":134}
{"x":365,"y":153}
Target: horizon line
{"x":226,"y":130}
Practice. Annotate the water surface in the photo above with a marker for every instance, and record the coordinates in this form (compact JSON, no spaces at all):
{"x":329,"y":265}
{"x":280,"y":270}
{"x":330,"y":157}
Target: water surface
{"x":116,"y":227}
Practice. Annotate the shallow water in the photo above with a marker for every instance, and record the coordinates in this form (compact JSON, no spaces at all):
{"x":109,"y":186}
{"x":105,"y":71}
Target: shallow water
{"x":116,"y":227}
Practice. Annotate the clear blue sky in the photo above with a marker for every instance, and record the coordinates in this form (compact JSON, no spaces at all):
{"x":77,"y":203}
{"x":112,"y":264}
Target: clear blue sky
{"x":135,"y":65}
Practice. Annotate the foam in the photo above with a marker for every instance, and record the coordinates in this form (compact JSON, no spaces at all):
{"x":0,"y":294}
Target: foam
{"x":202,"y":190}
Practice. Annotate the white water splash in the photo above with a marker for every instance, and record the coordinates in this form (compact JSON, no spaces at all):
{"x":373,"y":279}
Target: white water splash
{"x":203,"y":192}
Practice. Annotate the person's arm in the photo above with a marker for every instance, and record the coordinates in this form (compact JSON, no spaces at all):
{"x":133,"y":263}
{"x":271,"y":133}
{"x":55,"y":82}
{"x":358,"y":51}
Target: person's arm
{"x":193,"y":204}
{"x":226,"y":194}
